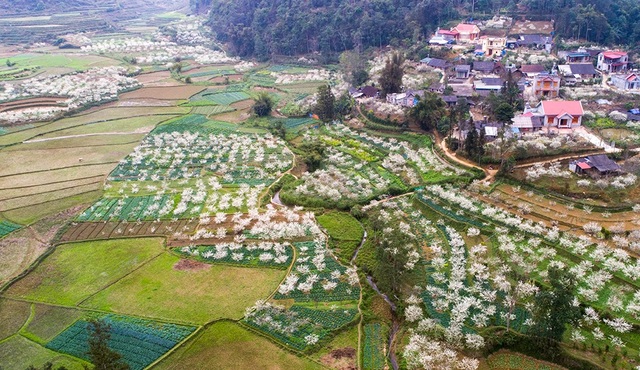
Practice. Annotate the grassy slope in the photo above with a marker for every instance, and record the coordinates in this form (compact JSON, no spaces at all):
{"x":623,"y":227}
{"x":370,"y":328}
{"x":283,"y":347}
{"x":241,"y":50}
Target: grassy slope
{"x":75,"y":271}
{"x":225,"y":345}
{"x":197,"y":296}
{"x":19,"y":352}
{"x":13,"y":315}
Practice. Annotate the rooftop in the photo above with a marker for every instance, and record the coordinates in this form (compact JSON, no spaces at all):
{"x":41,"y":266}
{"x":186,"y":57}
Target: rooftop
{"x":556,"y":108}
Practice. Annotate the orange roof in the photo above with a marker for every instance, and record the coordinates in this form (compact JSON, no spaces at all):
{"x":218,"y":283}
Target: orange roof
{"x":556,"y":108}
{"x":464,"y":27}
{"x":614,"y":54}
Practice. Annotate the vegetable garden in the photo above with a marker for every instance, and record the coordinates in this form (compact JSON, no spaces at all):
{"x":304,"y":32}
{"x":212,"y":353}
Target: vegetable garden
{"x":140,"y":342}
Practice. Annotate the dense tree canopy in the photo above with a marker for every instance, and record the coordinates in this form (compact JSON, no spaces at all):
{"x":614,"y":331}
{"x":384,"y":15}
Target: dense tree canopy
{"x":264,"y":28}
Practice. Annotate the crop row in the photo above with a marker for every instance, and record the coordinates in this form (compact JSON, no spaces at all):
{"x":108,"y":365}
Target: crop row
{"x":7,"y":227}
{"x":140,"y":342}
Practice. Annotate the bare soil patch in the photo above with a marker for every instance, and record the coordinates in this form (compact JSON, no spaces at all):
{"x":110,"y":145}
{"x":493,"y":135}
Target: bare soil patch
{"x":190,"y":265}
{"x":163,"y":93}
{"x":531,"y":28}
{"x":341,"y":359}
{"x":223,"y":79}
{"x":153,"y":77}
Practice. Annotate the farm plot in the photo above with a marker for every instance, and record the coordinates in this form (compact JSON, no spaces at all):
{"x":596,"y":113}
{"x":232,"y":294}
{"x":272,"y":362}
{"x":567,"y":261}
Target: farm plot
{"x":317,"y":277}
{"x":233,"y":347}
{"x":373,"y":350}
{"x":140,"y":342}
{"x":359,"y":167}
{"x":605,"y":277}
{"x":276,"y":255}
{"x":68,"y":275}
{"x":162,"y":289}
{"x":164,"y":93}
{"x":220,"y":98}
{"x":237,"y":158}
{"x":7,"y":227}
{"x":20,"y":353}
{"x":212,"y":110}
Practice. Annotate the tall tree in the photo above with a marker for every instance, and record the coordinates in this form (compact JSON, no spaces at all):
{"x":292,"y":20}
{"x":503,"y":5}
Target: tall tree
{"x":429,"y":111}
{"x":325,"y":106}
{"x":101,"y":356}
{"x":391,"y":78}
{"x":554,"y":307}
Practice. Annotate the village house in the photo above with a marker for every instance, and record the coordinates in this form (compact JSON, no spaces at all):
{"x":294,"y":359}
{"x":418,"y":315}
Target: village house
{"x":488,"y":84}
{"x":535,"y":42}
{"x":435,"y":63}
{"x":463,"y":71}
{"x":626,"y":81}
{"x":546,"y":85}
{"x":527,"y":122}
{"x":408,"y":98}
{"x":466,"y":32}
{"x":613,"y":61}
{"x":487,"y":67}
{"x":492,"y":46}
{"x":581,"y":71}
{"x":531,"y":70}
{"x":560,"y":114}
{"x":364,"y":92}
{"x":595,"y":165}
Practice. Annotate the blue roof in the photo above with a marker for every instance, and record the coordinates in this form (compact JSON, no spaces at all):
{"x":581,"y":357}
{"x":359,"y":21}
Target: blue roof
{"x":515,"y":130}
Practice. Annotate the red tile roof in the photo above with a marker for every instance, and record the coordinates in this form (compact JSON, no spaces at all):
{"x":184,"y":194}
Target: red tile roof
{"x":614,"y":54}
{"x":584,"y":165}
{"x":556,"y":108}
{"x":446,"y":32}
{"x":463,"y":27}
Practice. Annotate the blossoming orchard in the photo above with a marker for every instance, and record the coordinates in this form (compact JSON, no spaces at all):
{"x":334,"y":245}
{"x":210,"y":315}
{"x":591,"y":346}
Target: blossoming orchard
{"x":215,"y":209}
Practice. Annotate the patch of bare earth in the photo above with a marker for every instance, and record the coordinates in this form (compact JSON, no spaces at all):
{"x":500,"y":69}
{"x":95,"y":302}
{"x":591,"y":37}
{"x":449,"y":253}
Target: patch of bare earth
{"x":21,"y":248}
{"x":190,"y":265}
{"x":340,"y":359}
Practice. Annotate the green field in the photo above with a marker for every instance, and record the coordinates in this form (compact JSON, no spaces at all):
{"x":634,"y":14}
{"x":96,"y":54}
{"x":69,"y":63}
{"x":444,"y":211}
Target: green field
{"x":345,"y":231}
{"x":76,"y":271}
{"x":19,"y":353}
{"x":80,"y":62}
{"x":230,"y":346}
{"x":49,"y":321}
{"x":158,"y":290}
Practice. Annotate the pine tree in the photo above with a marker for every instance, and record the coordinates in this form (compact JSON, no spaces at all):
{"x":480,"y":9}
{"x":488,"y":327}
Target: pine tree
{"x":325,"y":107}
{"x":263,"y":105}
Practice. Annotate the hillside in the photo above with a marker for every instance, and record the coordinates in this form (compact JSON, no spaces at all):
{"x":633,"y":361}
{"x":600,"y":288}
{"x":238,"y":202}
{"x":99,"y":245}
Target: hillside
{"x":290,"y":27}
{"x":61,"y":6}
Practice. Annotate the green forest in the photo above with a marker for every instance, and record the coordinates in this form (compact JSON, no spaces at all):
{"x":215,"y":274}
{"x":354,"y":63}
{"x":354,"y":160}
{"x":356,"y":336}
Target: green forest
{"x":267,"y":28}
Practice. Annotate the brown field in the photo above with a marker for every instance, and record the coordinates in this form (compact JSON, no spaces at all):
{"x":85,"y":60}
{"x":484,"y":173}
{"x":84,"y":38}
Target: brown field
{"x":35,"y":199}
{"x":34,"y":212}
{"x":30,"y":103}
{"x":153,"y":77}
{"x":62,"y":174}
{"x":20,"y":192}
{"x":163,"y":93}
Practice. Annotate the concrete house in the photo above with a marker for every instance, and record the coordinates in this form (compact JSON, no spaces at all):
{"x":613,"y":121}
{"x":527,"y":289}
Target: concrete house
{"x":560,"y":114}
{"x":613,"y":61}
{"x":492,"y":46}
{"x":463,"y":71}
{"x":546,"y":85}
{"x":466,"y":32}
{"x":626,"y":81}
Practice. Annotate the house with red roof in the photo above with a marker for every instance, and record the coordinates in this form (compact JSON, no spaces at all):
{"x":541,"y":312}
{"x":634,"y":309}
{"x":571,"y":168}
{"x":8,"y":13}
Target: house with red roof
{"x":613,"y":61}
{"x":466,"y":32}
{"x":626,"y":81}
{"x":560,"y":114}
